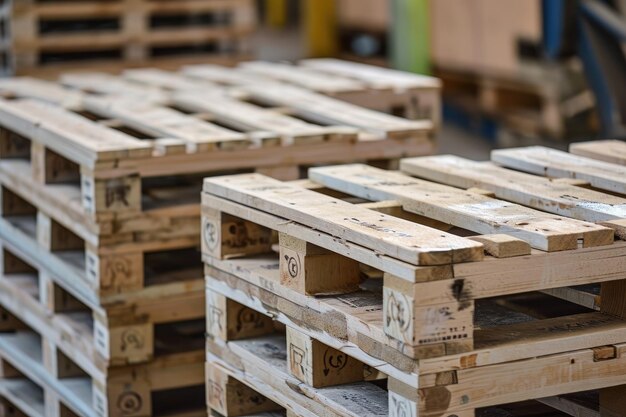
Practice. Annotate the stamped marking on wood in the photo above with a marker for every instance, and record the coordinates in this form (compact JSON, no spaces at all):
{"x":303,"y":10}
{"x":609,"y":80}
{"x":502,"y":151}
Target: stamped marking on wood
{"x":297,"y":358}
{"x":335,"y":360}
{"x":129,"y":402}
{"x":116,"y":192}
{"x":400,"y":406}
{"x":211,"y":233}
{"x":216,"y":393}
{"x":398,"y":318}
{"x":215,"y":320}
{"x":132,"y":339}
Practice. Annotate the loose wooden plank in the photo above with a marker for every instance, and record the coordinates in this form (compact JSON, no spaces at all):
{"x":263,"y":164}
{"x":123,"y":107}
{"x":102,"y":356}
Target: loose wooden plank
{"x":247,"y":116}
{"x":69,"y":134}
{"x":326,"y":110}
{"x":529,"y":190}
{"x":604,"y":150}
{"x":303,"y":77}
{"x":475,"y":212}
{"x":417,"y":244}
{"x":165,"y":122}
{"x":373,"y":76}
{"x":554,"y":163}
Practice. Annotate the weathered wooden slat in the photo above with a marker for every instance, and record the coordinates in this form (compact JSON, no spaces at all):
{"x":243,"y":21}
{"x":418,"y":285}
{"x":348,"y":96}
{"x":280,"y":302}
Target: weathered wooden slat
{"x":27,"y":87}
{"x":327,"y":110}
{"x":464,"y":209}
{"x":165,"y":122}
{"x":167,"y":80}
{"x":249,"y":117}
{"x":554,"y":163}
{"x":303,"y":77}
{"x":102,"y":83}
{"x":529,"y":190}
{"x":371,"y":75}
{"x":398,"y":238}
{"x":604,"y":150}
{"x":223,"y":75}
{"x":69,"y":134}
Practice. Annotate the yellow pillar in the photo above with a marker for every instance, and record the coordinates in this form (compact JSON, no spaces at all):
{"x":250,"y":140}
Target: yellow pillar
{"x":320,"y":18}
{"x":276,"y":13}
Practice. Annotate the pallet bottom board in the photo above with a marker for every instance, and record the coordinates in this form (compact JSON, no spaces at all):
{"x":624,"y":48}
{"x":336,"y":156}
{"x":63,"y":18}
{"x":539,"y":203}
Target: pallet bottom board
{"x":265,"y":358}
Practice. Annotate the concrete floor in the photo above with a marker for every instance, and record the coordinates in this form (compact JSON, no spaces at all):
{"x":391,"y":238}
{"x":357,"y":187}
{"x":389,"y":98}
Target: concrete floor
{"x":454,"y":140}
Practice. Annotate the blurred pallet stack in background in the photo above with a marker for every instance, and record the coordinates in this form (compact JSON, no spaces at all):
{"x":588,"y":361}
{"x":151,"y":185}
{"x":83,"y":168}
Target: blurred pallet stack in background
{"x":51,"y":36}
{"x":491,"y":56}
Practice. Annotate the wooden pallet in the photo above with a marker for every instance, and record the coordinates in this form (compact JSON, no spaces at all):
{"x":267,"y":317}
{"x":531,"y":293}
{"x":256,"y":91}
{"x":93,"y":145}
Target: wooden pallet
{"x":57,"y":34}
{"x":409,"y":95}
{"x":541,"y":101}
{"x":296,"y":371}
{"x":421,"y":325}
{"x":92,"y":361}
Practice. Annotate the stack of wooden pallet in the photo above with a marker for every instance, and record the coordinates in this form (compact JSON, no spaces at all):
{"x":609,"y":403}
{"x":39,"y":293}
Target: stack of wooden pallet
{"x":425,"y":292}
{"x":55,"y":34}
{"x":102,"y":292}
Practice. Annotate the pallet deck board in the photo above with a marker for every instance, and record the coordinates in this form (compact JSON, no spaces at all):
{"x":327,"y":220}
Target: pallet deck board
{"x":604,"y":150}
{"x":245,"y":116}
{"x":168,"y":123}
{"x":375,"y":76}
{"x":302,"y":77}
{"x":326,"y":110}
{"x":554,"y":163}
{"x":55,"y":127}
{"x":412,"y":243}
{"x":450,"y":205}
{"x":521,"y":188}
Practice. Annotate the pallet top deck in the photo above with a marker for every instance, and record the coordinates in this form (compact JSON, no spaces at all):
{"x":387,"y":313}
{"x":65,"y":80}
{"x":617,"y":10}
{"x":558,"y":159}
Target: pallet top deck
{"x":221,"y":119}
{"x":441,"y":206}
{"x":325,"y":75}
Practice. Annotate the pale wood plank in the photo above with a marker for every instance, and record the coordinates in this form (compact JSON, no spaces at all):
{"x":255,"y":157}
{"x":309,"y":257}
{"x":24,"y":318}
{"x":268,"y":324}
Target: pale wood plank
{"x":68,"y":134}
{"x":303,"y":77}
{"x":167,"y":80}
{"x":27,"y":87}
{"x":475,"y":212}
{"x":503,"y":246}
{"x":613,"y":151}
{"x":103,"y":83}
{"x":376,"y":77}
{"x":326,"y":110}
{"x":165,"y":122}
{"x":554,"y":163}
{"x":526,"y":189}
{"x":249,"y":117}
{"x":404,"y":240}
